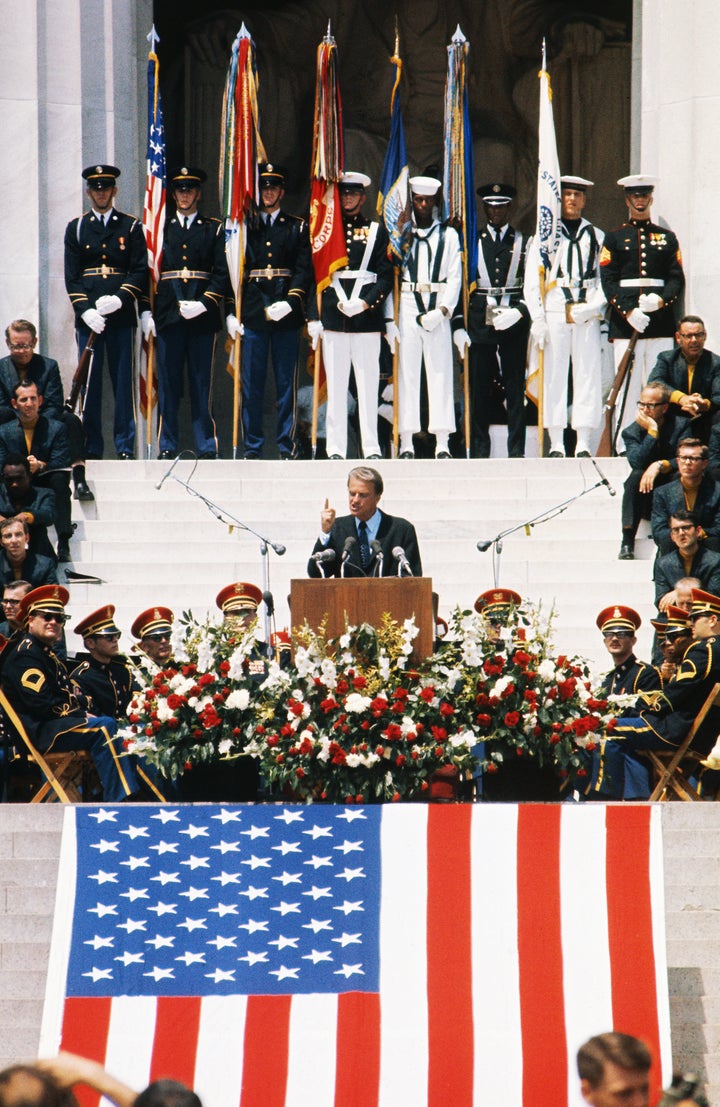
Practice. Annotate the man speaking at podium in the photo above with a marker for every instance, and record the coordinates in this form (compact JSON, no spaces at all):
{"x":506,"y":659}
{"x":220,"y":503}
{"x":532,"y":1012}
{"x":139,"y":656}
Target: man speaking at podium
{"x":367,"y":542}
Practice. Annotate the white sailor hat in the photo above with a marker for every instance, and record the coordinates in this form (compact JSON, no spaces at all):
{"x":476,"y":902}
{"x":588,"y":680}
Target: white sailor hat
{"x":425,"y":186}
{"x":638,"y":182}
{"x":354,"y":180}
{"x":578,"y":183}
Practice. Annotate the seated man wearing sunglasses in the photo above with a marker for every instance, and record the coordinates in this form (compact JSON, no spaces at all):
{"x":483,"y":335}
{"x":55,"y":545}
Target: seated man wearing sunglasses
{"x":102,"y":673}
{"x":153,"y":652}
{"x":52,"y":709}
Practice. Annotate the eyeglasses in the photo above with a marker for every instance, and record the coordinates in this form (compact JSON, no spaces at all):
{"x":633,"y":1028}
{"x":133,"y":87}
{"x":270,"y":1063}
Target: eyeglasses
{"x":617,"y":634}
{"x":10,"y":603}
{"x":644,"y":403}
{"x":689,"y":337}
{"x":690,"y":457}
{"x":675,"y":636}
{"x":107,"y":637}
{"x":157,"y":638}
{"x":681,"y":529}
{"x":50,"y":616}
{"x":20,"y":347}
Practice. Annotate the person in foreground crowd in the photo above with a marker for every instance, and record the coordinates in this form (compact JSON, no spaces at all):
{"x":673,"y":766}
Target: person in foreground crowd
{"x":12,"y":594}
{"x":24,"y":364}
{"x":689,"y":558}
{"x":431,"y":283}
{"x":567,"y":323}
{"x":49,"y":1082}
{"x":352,"y":321}
{"x":642,"y":278}
{"x":106,"y":274}
{"x":17,"y":561}
{"x":52,"y":710}
{"x":664,"y":716}
{"x":497,"y":323}
{"x":614,"y":1070}
{"x":193,"y":286}
{"x":102,"y":674}
{"x":696,"y":491}
{"x":356,"y":541}
{"x":618,"y":625}
{"x":278,"y":278}
{"x":692,"y":375}
{"x":20,"y":498}
{"x":651,"y":444}
{"x":153,"y":650}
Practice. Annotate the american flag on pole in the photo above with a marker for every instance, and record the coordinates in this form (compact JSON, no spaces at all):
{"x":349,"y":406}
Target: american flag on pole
{"x":415,"y":955}
{"x":155,"y":193}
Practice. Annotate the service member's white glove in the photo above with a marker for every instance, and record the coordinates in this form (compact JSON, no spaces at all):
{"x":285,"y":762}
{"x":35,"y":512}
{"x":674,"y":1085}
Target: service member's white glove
{"x":106,"y":305}
{"x":234,"y":327}
{"x":461,"y":338}
{"x":148,"y":325}
{"x":649,"y":302}
{"x":392,"y":335}
{"x":583,"y":313}
{"x":638,"y":320}
{"x":94,"y":320}
{"x":315,"y":330}
{"x":431,"y":319}
{"x":506,"y":317}
{"x":278,"y":310}
{"x":351,"y":307}
{"x":539,"y":331}
{"x":190,"y":309}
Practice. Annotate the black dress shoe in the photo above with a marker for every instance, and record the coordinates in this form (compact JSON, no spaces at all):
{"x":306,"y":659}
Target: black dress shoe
{"x":555,"y":453}
{"x":336,"y":457}
{"x":82,"y":491}
{"x":443,"y":454}
{"x":407,"y":454}
{"x":373,"y":457}
{"x":125,"y":456}
{"x":627,"y":553}
{"x":583,"y":453}
{"x":166,"y":455}
{"x":208,"y":457}
{"x":63,"y":550}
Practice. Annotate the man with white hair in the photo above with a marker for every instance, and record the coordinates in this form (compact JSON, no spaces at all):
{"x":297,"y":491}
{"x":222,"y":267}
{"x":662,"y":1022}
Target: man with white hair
{"x":431,"y":283}
{"x":352,"y":321}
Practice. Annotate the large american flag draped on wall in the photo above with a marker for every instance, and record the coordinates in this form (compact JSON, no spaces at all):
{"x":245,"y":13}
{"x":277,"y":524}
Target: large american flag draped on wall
{"x":349,"y":957}
{"x":155,"y":195}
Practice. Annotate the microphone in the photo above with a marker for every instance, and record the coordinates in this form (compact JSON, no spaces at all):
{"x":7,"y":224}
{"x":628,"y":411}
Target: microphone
{"x":603,"y":478}
{"x":165,"y":477}
{"x":320,"y":558}
{"x":349,"y":546}
{"x":269,"y":603}
{"x":377,"y":552}
{"x":278,"y":548}
{"x":403,"y":563}
{"x":484,"y":546}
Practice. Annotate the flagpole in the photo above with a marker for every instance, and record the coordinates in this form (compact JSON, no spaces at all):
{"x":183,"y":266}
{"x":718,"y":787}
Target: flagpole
{"x":153,"y":216}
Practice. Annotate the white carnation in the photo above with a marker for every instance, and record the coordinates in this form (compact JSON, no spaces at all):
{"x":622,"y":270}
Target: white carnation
{"x":238,"y":699}
{"x":355,"y":703}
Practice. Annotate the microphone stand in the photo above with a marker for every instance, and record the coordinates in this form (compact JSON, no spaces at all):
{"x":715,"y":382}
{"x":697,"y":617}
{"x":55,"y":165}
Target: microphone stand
{"x":224,"y":516}
{"x":542,"y":517}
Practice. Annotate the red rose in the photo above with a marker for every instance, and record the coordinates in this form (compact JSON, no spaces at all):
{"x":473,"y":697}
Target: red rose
{"x":273,"y":740}
{"x":427,"y":694}
{"x":400,"y":760}
{"x":205,"y":679}
{"x":299,"y":772}
{"x":483,"y":720}
{"x":359,"y":682}
{"x":512,"y":718}
{"x":447,"y":709}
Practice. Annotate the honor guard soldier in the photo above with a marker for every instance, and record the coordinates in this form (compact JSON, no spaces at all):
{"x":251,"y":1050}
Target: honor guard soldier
{"x":193,"y":286}
{"x":497,"y":324}
{"x":153,"y":652}
{"x":618,"y":626}
{"x":106,"y":274}
{"x":642,"y":278}
{"x":102,"y":673}
{"x":278,"y":277}
{"x":352,"y":321}
{"x":431,"y":283}
{"x":567,"y":324}
{"x":53,"y":711}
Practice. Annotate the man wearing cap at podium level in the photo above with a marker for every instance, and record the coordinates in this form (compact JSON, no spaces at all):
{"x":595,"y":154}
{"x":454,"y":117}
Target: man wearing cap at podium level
{"x":102,"y":673}
{"x":567,"y":323}
{"x":618,"y":625}
{"x":152,"y":653}
{"x":52,"y":710}
{"x":497,"y":606}
{"x":664,"y":716}
{"x":497,"y":324}
{"x":239,"y":604}
{"x":193,"y":286}
{"x":431,"y":283}
{"x":352,"y":321}
{"x":278,"y":277}
{"x":642,"y":278}
{"x":106,"y":274}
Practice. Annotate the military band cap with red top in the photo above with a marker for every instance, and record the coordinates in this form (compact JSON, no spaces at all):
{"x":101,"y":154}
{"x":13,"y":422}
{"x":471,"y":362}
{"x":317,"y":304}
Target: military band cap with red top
{"x":579,"y":184}
{"x":153,"y":623}
{"x":618,"y":617}
{"x":660,"y":625}
{"x":280,"y":640}
{"x":49,"y":597}
{"x":496,"y":193}
{"x":101,"y":176}
{"x":270,"y":173}
{"x":188,"y":174}
{"x":497,"y":602}
{"x":703,"y":603}
{"x":354,"y":180}
{"x":238,"y":597}
{"x":678,"y":619}
{"x":99,"y":623}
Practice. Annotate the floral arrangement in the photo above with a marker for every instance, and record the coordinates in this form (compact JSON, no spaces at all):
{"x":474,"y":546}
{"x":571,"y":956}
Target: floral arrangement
{"x":351,"y":720}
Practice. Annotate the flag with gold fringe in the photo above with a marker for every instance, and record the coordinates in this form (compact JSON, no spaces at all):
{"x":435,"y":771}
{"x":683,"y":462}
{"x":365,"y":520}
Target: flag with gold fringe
{"x":153,"y":207}
{"x":327,"y":235}
{"x":393,"y":202}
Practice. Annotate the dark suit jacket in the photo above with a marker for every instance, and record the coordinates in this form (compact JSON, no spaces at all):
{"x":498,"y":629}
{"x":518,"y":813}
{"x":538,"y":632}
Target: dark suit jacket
{"x":49,"y":444}
{"x":392,"y":532}
{"x":670,"y":568}
{"x":42,"y":371}
{"x":672,"y":369}
{"x":36,"y":569}
{"x":643,"y":449}
{"x":670,"y":498}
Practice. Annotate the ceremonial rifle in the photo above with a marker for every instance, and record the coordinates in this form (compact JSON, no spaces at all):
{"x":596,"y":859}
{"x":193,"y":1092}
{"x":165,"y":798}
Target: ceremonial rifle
{"x":81,"y":374}
{"x":606,"y":444}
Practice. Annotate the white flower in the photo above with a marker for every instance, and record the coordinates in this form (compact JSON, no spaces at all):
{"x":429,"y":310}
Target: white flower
{"x":180,"y":684}
{"x":323,"y":753}
{"x":546,"y":670}
{"x":163,"y":711}
{"x":501,"y":684}
{"x":224,"y":747}
{"x":238,"y":699}
{"x":355,"y":703}
{"x":201,"y":704}
{"x":303,"y":661}
{"x":328,"y":672}
{"x":344,"y":642}
{"x":407,"y":726}
{"x":463,"y":739}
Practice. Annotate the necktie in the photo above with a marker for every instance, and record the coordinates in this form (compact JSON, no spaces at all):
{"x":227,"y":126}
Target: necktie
{"x":186,"y":222}
{"x":364,"y":544}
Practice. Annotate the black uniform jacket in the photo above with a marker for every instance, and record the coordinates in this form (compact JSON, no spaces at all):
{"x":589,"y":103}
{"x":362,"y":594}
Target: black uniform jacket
{"x":374,"y":293}
{"x":39,"y":688}
{"x":196,"y":258}
{"x":498,"y":256}
{"x":283,"y":245}
{"x":109,"y":687}
{"x":119,"y":252}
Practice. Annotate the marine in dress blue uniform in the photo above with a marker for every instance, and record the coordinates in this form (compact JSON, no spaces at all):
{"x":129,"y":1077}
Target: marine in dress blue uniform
{"x":106,"y":274}
{"x":193,"y":285}
{"x":278,"y":277}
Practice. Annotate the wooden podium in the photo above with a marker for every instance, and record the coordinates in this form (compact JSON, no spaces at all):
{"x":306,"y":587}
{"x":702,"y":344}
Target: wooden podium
{"x":355,"y":600}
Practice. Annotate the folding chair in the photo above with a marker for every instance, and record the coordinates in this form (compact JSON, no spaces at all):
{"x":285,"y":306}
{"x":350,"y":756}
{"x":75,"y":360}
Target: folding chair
{"x":670,"y":776}
{"x":65,"y":774}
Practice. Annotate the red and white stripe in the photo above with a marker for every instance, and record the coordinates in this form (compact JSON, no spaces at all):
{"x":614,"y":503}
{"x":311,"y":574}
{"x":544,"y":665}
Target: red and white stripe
{"x":509,"y":935}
